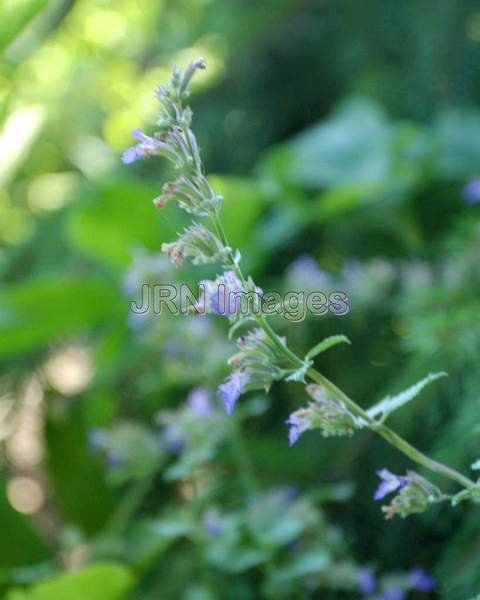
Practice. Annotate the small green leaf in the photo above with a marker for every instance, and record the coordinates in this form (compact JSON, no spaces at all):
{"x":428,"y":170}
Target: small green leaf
{"x":472,"y":493}
{"x":476,"y":465}
{"x":327,"y":343}
{"x":391,"y":403}
{"x":299,"y":374}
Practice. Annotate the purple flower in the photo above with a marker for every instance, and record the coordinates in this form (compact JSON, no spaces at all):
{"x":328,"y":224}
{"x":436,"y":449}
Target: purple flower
{"x":146,"y":147}
{"x":366,"y":581}
{"x":231,"y":390}
{"x":174,"y":440}
{"x":213,"y":522}
{"x":305,"y":271}
{"x":390,"y":483}
{"x":420,"y":580}
{"x":393,"y":592}
{"x":131,"y":155}
{"x":199,"y":401}
{"x":115,"y":458}
{"x":221,"y":295}
{"x":471,"y":192}
{"x":98,"y":439}
{"x":298,"y":423}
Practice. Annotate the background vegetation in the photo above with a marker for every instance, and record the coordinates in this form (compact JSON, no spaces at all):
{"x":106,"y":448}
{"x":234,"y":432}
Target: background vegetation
{"x":342,"y":135}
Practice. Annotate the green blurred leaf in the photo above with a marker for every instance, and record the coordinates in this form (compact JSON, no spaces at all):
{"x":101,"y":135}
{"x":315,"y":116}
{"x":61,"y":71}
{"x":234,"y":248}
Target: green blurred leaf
{"x":15,"y":16}
{"x":102,"y":581}
{"x":35,"y":312}
{"x":391,"y":403}
{"x":327,"y":343}
{"x":117,"y":215}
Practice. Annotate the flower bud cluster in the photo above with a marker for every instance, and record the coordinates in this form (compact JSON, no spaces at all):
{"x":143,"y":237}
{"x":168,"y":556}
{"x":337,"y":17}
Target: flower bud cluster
{"x":196,"y":242}
{"x":325,"y":413}
{"x":415,"y":493}
{"x":256,"y":366}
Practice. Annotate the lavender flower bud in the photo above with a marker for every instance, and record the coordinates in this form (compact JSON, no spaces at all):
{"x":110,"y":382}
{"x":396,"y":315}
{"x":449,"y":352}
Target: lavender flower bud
{"x":231,"y":390}
{"x":200,"y":63}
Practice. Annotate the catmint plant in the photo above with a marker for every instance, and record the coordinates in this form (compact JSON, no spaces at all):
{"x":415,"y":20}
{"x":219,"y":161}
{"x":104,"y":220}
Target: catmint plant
{"x":264,"y":357}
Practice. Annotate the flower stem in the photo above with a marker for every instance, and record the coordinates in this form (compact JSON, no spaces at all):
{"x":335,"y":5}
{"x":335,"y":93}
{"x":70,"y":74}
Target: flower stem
{"x":388,"y":434}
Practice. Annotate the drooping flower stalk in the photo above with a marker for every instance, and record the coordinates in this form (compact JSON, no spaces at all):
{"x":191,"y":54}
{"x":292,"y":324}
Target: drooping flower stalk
{"x":263,"y":355}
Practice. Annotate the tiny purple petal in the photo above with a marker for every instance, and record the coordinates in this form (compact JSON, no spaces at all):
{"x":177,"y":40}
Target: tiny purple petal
{"x":366,"y":581}
{"x":138,"y":134}
{"x":293,"y":434}
{"x":420,"y":580}
{"x":471,"y":192}
{"x":390,"y":483}
{"x":131,"y":155}
{"x":231,"y":390}
{"x":296,"y":427}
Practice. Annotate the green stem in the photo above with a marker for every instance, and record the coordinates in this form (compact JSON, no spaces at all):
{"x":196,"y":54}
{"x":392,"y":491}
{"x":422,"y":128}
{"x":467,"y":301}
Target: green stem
{"x":388,"y":434}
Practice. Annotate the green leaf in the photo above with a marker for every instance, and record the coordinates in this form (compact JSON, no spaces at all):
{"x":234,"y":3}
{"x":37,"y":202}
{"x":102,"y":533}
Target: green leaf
{"x":299,"y":374}
{"x":33,"y":312}
{"x":472,"y":493}
{"x":102,"y":581}
{"x":391,"y":403}
{"x":327,"y":343}
{"x":117,"y":215}
{"x":15,"y":16}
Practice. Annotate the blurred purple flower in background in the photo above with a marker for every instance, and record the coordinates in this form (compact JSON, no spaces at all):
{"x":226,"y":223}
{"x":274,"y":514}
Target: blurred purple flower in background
{"x":98,"y":439}
{"x":115,"y":458}
{"x":471,"y":191}
{"x":174,"y":440}
{"x":171,"y":348}
{"x":212,"y":522}
{"x":305,"y":273}
{"x":366,"y":581}
{"x":392,"y":592}
{"x":199,"y":400}
{"x":420,"y":580}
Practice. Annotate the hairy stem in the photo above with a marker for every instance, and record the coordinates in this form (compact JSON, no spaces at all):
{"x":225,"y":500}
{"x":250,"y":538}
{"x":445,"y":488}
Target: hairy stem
{"x":388,"y":434}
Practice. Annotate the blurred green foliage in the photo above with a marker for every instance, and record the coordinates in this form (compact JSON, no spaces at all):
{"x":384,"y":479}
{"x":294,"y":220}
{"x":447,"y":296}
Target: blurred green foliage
{"x":342,"y":135}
